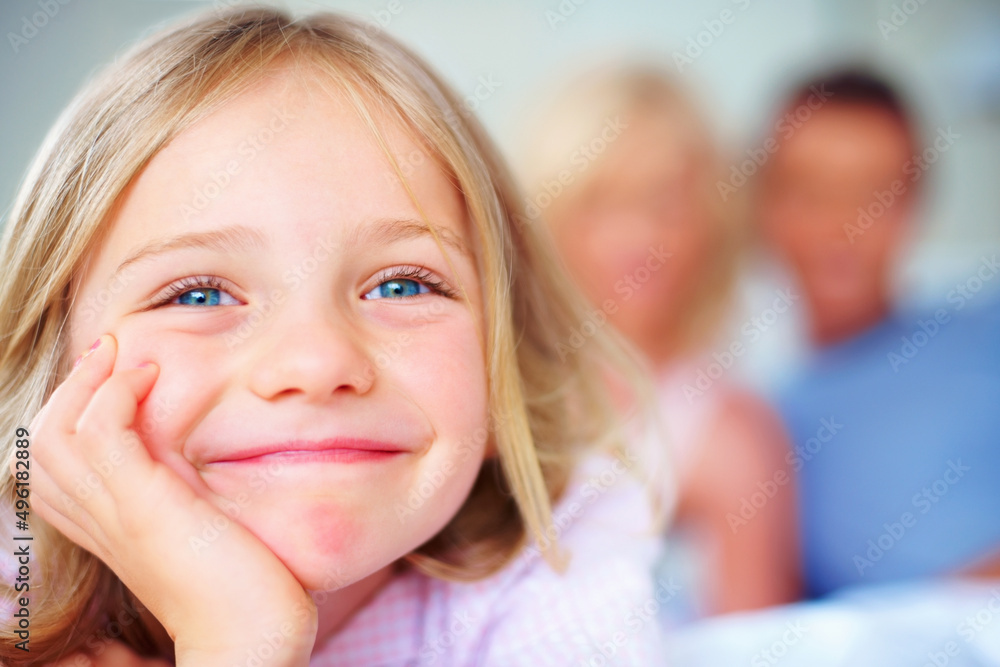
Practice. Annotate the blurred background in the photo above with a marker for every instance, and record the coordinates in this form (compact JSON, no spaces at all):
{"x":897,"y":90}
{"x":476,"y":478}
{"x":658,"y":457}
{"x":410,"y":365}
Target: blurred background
{"x":506,"y":55}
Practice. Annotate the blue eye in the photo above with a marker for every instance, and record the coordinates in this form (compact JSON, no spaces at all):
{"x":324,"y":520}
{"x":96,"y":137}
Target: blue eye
{"x":200,"y":297}
{"x":397,"y":287}
{"x":198,"y":291}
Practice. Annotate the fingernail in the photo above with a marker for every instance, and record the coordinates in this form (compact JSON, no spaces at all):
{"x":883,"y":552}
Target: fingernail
{"x":146,"y":364}
{"x":79,"y":360}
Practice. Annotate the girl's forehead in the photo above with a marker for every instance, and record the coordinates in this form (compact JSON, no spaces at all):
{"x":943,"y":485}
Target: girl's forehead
{"x":291,"y":153}
{"x":293,"y":109}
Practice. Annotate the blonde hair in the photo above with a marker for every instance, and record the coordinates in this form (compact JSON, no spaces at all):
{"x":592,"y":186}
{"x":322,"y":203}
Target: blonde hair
{"x":545,"y":405}
{"x":575,"y":115}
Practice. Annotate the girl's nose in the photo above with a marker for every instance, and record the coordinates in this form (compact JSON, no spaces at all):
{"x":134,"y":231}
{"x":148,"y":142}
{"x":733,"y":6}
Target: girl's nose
{"x":315,"y":357}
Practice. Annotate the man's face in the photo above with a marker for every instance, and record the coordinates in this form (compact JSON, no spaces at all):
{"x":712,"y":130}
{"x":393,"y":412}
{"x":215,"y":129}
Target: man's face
{"x":834,"y":200}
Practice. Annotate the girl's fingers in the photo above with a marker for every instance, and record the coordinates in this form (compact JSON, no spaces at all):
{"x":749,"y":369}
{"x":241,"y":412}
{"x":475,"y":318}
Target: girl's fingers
{"x":62,"y":512}
{"x":67,"y":527}
{"x":83,"y":441}
{"x":108,"y":444}
{"x":107,"y":463}
{"x":84,"y":436}
{"x":56,"y":421}
{"x":71,"y":398}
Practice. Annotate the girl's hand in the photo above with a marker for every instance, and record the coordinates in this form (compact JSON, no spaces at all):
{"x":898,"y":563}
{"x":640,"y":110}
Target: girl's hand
{"x":220,"y":604}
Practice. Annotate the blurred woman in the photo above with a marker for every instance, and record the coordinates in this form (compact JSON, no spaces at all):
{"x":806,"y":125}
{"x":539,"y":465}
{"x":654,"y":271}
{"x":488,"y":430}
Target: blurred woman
{"x":622,"y":170}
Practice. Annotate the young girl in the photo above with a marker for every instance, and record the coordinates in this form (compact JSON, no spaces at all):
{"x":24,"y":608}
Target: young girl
{"x":320,"y":415}
{"x":638,"y":220}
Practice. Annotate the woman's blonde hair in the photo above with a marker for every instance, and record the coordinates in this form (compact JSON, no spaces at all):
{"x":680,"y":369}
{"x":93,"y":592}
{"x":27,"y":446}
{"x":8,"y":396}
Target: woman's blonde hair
{"x":576,"y":114}
{"x":543,"y":403}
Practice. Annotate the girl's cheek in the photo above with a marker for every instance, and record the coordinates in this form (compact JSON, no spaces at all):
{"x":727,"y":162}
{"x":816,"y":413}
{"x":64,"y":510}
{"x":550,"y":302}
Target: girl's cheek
{"x":163,"y":421}
{"x":163,"y":415}
{"x":143,"y":338}
{"x":444,"y":361}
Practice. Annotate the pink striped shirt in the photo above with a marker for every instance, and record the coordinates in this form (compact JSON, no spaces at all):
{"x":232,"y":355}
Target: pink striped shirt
{"x":600,"y":611}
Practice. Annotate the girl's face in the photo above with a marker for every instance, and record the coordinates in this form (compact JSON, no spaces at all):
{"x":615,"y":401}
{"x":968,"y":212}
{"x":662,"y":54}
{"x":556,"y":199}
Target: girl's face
{"x":321,"y":375}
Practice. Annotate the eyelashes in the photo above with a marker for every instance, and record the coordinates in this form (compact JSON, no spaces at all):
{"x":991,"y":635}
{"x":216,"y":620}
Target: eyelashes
{"x":191,"y":284}
{"x":207,"y":283}
{"x":418,"y":274}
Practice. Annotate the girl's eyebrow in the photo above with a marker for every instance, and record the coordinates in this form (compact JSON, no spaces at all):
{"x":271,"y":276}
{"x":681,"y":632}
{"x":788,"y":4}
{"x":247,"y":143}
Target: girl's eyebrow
{"x":240,"y":238}
{"x":230,"y":239}
{"x":392,"y":230}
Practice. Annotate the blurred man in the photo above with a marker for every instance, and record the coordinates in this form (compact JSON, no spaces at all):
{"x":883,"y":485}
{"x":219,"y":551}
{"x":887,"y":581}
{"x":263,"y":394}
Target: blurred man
{"x":896,"y":419}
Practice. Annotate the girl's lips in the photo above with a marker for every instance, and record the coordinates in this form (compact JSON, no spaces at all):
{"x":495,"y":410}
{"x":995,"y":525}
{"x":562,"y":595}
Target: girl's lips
{"x":324,"y":456}
{"x":341,"y":450}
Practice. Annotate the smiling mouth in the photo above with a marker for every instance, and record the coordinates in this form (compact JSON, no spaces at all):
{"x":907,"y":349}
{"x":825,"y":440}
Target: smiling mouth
{"x":341,"y":450}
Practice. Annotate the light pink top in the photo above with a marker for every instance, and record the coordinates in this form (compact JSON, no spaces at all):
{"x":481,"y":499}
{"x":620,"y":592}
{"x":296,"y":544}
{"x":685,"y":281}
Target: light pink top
{"x":601,"y":611}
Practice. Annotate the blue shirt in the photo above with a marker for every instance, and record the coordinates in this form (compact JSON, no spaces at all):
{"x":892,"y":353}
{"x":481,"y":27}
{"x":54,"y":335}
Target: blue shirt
{"x":896,"y":445}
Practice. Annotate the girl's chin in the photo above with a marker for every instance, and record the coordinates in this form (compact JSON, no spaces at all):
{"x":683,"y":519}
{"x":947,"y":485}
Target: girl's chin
{"x":319,"y":569}
{"x":318,"y":575}
{"x":321,"y":575}
{"x":323,"y":547}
